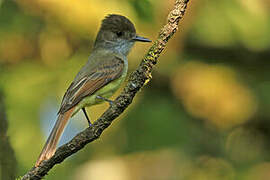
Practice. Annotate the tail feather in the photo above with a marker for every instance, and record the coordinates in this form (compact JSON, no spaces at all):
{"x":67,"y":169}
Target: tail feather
{"x":52,"y":141}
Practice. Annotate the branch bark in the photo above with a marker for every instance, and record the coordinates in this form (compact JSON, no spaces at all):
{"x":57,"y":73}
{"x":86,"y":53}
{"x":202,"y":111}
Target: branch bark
{"x":140,"y":77}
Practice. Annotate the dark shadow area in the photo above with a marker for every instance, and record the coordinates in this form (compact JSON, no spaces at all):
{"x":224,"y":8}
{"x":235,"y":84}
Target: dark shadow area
{"x":7,"y":156}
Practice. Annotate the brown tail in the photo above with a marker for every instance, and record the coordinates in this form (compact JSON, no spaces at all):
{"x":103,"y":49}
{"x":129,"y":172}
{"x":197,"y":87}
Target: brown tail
{"x":51,"y":143}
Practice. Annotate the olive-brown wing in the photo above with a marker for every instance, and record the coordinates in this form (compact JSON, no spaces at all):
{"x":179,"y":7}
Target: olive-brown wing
{"x":105,"y":72}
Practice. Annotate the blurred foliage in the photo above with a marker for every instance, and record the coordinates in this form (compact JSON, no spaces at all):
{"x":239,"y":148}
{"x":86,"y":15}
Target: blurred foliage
{"x":7,"y":156}
{"x":143,"y":9}
{"x":204,"y":115}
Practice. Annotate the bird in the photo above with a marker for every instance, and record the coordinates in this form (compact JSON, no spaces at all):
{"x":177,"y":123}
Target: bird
{"x":99,"y":78}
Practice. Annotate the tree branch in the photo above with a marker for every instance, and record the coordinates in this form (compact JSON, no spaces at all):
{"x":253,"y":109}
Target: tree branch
{"x":137,"y":80}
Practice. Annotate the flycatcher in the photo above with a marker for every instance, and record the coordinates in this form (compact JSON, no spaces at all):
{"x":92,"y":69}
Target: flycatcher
{"x":99,"y":78}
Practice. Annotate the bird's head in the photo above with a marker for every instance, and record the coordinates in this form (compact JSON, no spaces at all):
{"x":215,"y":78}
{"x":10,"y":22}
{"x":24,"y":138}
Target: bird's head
{"x":118,"y":33}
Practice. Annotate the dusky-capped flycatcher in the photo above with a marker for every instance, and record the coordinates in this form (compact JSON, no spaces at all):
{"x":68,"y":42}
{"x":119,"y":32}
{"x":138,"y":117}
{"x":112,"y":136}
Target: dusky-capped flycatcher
{"x":99,"y":78}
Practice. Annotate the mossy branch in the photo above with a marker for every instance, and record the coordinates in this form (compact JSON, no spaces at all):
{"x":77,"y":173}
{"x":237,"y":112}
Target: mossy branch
{"x":136,"y":81}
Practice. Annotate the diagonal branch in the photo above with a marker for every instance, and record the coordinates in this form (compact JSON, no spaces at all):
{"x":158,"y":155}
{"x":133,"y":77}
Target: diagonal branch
{"x":136,"y":81}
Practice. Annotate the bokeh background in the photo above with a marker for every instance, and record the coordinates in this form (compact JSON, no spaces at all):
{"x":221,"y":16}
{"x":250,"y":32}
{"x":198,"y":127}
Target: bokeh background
{"x":205,"y":114}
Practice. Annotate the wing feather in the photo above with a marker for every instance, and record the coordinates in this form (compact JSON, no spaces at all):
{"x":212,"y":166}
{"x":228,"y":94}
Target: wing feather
{"x":105,"y":72}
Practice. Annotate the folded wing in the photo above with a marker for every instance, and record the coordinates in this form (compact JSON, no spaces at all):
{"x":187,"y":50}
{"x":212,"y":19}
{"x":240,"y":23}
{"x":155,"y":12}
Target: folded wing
{"x":107,"y":70}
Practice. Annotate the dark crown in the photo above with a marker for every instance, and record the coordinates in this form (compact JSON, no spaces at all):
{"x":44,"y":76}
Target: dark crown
{"x":116,"y":23}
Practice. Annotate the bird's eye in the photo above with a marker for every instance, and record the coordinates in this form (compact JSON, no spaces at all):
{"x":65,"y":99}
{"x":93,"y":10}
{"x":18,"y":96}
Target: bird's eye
{"x":119,"y":33}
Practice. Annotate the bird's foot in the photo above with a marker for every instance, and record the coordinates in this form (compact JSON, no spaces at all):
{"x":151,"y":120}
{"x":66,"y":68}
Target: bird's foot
{"x":107,"y":100}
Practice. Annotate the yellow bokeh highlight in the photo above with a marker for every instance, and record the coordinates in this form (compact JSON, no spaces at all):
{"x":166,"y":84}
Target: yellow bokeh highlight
{"x":15,"y":47}
{"x":115,"y":168}
{"x":53,"y":47}
{"x":150,"y":165}
{"x":257,"y":8}
{"x":81,"y":16}
{"x":213,"y":93}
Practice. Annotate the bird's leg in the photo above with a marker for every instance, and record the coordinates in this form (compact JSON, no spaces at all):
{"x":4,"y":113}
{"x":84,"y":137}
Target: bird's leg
{"x":88,"y":119}
{"x":104,"y":99}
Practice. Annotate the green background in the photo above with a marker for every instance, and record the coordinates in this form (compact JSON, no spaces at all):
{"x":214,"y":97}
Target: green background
{"x":204,"y":115}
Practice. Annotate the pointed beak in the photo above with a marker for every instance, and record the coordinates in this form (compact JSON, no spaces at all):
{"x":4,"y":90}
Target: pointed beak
{"x":141,"y":39}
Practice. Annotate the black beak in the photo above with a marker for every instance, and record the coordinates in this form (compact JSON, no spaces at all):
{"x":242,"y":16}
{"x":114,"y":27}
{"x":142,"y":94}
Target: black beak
{"x":141,"y":39}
